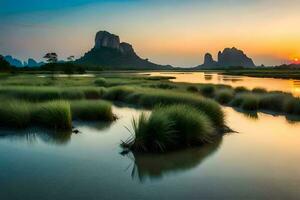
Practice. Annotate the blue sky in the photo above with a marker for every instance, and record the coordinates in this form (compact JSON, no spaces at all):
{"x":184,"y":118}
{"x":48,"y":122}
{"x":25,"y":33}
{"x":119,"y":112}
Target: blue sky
{"x":169,"y":32}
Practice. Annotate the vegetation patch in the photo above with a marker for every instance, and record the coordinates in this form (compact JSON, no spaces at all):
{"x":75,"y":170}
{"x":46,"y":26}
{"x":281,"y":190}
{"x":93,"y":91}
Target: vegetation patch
{"x":224,"y":96}
{"x":92,"y":110}
{"x":169,"y":128}
{"x":150,"y":98}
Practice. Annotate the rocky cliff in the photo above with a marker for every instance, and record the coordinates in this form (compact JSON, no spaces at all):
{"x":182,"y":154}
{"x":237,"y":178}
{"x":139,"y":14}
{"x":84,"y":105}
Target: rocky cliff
{"x":229,"y":57}
{"x":234,"y":58}
{"x":109,"y":52}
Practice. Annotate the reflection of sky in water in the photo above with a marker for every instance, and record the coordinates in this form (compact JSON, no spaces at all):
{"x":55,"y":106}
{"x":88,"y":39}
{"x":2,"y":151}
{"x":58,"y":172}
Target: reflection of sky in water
{"x":270,"y":84}
{"x":262,"y":157}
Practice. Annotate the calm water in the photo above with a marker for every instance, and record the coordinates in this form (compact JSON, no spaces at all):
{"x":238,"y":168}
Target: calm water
{"x":271,"y":84}
{"x":260,"y":162}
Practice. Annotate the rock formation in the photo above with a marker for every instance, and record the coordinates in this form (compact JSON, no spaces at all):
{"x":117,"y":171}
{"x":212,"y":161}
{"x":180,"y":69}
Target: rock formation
{"x":106,"y":39}
{"x":230,"y":57}
{"x":109,"y":53}
{"x":209,"y":61}
{"x":234,"y":58}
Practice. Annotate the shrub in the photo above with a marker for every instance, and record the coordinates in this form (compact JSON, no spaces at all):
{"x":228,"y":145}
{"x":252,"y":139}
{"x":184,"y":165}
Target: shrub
{"x":92,"y":110}
{"x":169,"y":128}
{"x":224,"y":96}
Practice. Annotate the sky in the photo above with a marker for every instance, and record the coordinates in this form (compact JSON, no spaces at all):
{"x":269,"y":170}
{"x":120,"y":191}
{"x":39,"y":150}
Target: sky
{"x":172,"y":32}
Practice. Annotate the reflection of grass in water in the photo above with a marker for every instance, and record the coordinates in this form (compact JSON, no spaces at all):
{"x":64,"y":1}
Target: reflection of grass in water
{"x":159,"y":165}
{"x":33,"y":134}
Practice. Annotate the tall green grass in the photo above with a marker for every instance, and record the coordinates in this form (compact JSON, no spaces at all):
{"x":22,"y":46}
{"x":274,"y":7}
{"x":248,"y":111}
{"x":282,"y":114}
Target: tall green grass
{"x":92,"y":110}
{"x":169,"y":128}
{"x":37,"y":94}
{"x":15,"y":114}
{"x":149,"y":98}
{"x":54,"y":114}
{"x":224,"y":96}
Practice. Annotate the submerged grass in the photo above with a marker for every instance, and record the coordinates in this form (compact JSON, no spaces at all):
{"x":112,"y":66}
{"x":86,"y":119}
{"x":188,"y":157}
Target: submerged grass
{"x":169,"y":128}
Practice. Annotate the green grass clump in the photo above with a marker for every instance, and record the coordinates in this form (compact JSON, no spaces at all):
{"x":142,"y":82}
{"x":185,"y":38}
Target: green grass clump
{"x":259,"y":90}
{"x":14,"y":114}
{"x":250,"y":102}
{"x":292,"y":106}
{"x":101,"y":82}
{"x":149,"y":98}
{"x":207,"y":90}
{"x":273,"y":101}
{"x":192,"y":89}
{"x":246,"y":101}
{"x":224,"y":96}
{"x":169,"y":128}
{"x":240,"y":89}
{"x":163,"y":86}
{"x":72,"y":94}
{"x":92,"y":110}
{"x":54,"y":114}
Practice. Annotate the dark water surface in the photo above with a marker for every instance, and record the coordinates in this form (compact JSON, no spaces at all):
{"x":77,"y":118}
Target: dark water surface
{"x":260,"y":162}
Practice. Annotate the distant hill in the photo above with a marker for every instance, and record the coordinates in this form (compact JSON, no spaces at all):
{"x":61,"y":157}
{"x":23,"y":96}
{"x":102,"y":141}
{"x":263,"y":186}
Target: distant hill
{"x":230,"y":57}
{"x":110,"y":53}
{"x":4,"y":65}
{"x":18,"y":63}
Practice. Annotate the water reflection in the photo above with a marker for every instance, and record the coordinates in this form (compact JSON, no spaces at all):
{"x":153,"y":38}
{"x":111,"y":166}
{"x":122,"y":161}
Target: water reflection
{"x":33,"y":135}
{"x":271,"y":84}
{"x":156,"y":166}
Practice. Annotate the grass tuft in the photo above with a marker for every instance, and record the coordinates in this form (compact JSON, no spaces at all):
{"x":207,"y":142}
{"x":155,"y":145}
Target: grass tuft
{"x":92,"y":110}
{"x":224,"y":96}
{"x":169,"y":128}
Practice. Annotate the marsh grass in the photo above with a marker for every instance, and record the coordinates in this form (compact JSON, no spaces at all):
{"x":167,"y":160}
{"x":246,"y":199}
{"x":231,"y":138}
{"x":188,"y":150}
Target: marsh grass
{"x":240,"y":89}
{"x":259,"y":90}
{"x":224,"y":96}
{"x":169,"y":128}
{"x":101,"y":82}
{"x":192,"y":89}
{"x":54,"y":115}
{"x":149,"y":98}
{"x":246,"y":101}
{"x":38,"y":94}
{"x":92,"y":110}
{"x":207,"y":90}
{"x":14,"y":114}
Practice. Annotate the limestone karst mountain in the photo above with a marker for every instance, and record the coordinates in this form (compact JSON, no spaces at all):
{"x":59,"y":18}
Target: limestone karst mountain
{"x":109,"y":52}
{"x":229,"y":57}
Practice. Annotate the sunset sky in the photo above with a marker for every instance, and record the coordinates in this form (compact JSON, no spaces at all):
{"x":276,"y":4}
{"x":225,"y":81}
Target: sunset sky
{"x":167,"y":32}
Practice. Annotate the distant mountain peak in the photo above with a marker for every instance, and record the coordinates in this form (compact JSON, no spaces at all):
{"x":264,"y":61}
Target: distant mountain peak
{"x":109,"y":52}
{"x":229,"y":57}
